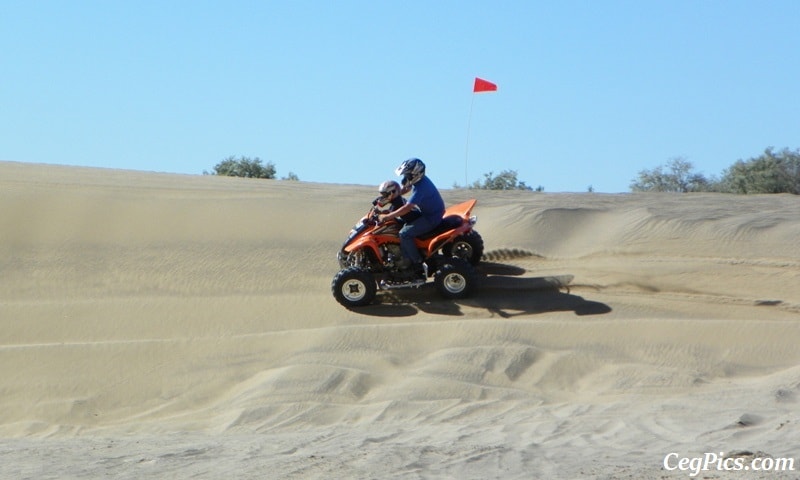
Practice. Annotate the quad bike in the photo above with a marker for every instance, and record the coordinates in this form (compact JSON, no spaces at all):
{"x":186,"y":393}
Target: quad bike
{"x":370,"y":258}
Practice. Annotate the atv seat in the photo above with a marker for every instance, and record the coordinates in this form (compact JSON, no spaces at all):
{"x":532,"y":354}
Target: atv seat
{"x":447,"y":223}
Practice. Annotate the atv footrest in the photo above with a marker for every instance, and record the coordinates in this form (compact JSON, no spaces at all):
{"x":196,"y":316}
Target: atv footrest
{"x":388,"y":285}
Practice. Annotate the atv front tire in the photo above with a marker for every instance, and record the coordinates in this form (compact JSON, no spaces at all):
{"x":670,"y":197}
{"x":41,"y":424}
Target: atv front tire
{"x":455,"y":278}
{"x":354,"y":287}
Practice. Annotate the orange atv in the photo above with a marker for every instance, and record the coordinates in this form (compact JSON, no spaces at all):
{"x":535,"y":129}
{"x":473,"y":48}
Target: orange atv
{"x":370,"y":257}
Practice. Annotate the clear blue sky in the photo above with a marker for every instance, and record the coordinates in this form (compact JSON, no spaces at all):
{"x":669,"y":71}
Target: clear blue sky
{"x":590,"y":92}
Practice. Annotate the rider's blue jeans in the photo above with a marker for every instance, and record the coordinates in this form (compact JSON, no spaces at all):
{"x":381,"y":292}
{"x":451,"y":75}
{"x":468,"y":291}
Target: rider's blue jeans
{"x":410,"y":231}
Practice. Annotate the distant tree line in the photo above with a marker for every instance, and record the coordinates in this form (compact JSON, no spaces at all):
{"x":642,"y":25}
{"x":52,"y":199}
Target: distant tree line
{"x":505,"y":180}
{"x":771,"y":172}
{"x":248,"y":168}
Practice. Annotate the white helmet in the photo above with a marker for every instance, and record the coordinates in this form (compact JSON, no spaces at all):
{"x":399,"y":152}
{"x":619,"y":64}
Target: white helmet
{"x":412,"y":170}
{"x":389,"y":189}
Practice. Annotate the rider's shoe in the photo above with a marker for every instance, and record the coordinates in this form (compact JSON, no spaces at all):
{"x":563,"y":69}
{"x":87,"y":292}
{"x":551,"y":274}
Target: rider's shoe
{"x":404,"y":264}
{"x":410,"y":271}
{"x":420,"y":272}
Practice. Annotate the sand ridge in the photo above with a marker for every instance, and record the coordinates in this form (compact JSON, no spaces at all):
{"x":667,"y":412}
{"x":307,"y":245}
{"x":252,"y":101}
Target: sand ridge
{"x":173,"y":325}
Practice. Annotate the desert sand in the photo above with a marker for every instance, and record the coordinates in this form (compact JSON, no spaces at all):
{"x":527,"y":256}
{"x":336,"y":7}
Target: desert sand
{"x":178,"y":326}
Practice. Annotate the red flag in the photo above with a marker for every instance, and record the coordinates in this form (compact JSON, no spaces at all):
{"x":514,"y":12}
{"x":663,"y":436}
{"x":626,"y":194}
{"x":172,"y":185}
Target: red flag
{"x":482,"y":85}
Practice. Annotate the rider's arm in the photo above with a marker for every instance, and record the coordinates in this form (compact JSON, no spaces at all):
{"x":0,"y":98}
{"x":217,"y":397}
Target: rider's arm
{"x":398,"y":213}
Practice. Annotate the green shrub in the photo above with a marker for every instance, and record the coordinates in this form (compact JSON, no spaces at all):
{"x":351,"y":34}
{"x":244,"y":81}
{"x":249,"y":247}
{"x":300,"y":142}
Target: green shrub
{"x":244,"y":167}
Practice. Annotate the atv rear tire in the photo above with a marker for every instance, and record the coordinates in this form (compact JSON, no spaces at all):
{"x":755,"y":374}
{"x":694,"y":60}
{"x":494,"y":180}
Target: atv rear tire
{"x":354,"y":287}
{"x":468,"y":247}
{"x":455,"y":278}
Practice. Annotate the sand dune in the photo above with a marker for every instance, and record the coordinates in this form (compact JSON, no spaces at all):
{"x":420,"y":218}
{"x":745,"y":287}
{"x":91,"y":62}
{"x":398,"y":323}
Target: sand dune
{"x":171,"y":326}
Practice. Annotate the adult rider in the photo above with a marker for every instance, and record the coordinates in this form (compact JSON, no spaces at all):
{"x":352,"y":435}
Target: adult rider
{"x":422,"y":213}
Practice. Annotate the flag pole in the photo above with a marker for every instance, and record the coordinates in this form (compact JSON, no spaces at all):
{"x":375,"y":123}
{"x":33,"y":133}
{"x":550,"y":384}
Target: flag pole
{"x":466,"y":149}
{"x":480,"y":85}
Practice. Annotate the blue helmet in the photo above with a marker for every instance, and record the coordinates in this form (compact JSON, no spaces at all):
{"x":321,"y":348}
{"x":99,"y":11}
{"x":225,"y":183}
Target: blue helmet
{"x":412,"y":170}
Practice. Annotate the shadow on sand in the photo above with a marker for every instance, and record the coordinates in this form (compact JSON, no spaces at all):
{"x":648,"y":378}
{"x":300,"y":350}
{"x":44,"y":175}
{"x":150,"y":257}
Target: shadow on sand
{"x":502,"y":292}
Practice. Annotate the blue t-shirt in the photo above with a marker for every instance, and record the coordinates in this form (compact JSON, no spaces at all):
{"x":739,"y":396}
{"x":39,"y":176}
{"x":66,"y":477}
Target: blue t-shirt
{"x":425,"y":196}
